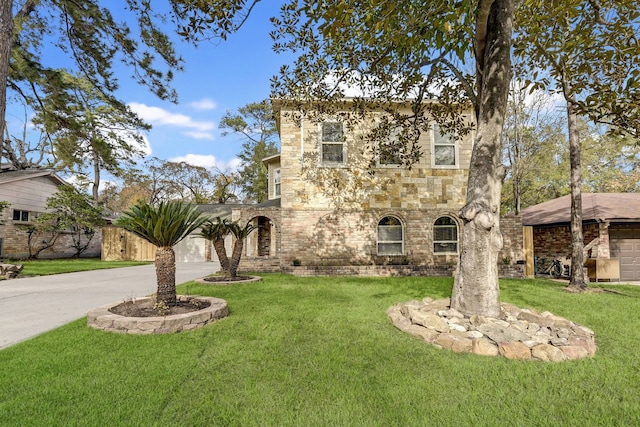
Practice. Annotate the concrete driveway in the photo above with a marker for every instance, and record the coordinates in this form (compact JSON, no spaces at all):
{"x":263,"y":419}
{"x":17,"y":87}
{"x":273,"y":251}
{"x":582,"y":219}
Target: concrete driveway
{"x":33,"y":305}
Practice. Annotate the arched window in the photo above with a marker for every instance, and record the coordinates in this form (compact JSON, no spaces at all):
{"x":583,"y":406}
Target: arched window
{"x":445,"y":235}
{"x":390,"y":236}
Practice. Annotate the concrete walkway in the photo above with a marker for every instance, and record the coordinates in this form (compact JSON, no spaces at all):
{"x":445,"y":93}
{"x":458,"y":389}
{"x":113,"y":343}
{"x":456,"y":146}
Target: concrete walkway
{"x":33,"y":305}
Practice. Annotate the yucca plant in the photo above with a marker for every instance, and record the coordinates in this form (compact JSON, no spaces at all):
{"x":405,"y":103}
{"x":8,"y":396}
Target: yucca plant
{"x":163,"y":225}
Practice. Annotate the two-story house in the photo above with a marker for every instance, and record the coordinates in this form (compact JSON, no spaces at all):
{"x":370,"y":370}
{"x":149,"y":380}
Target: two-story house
{"x":27,"y":192}
{"x":341,"y":201}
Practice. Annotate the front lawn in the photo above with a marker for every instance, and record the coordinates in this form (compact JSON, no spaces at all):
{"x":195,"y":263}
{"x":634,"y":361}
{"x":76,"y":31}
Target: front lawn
{"x":321,"y":352}
{"x":45,"y":267}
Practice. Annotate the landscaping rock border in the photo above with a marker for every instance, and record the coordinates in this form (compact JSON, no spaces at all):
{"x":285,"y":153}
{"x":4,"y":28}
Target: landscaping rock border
{"x":521,"y":334}
{"x":102,"y":318}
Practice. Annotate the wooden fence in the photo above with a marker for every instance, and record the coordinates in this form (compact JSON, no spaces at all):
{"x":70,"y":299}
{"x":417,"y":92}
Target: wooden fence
{"x":119,"y":244}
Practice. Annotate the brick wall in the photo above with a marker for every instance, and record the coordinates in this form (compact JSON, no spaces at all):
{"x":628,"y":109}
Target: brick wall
{"x":555,"y":242}
{"x":15,"y":244}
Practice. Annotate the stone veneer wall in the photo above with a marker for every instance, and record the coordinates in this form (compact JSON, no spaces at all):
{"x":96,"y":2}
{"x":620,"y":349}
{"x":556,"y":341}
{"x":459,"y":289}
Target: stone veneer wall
{"x":324,"y":240}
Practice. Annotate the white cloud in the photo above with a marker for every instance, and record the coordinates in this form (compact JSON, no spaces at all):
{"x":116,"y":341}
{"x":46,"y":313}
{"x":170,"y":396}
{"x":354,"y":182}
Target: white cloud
{"x":200,"y":135}
{"x":208,"y":161}
{"x":160,"y":116}
{"x":204,"y":104}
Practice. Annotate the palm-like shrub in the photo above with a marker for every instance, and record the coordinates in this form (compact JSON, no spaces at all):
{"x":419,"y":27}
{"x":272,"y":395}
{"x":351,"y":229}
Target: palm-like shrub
{"x":240,"y":233}
{"x":215,"y":232}
{"x":163,"y":225}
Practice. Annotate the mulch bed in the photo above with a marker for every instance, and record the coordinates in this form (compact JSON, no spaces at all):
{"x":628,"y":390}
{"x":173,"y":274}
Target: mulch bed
{"x":148,"y":309}
{"x":226,"y":279}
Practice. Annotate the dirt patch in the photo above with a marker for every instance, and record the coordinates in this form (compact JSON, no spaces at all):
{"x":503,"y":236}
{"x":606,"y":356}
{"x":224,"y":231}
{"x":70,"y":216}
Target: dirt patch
{"x":149,"y":308}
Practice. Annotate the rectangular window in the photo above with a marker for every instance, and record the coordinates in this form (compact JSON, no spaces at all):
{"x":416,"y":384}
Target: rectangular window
{"x":444,"y":148}
{"x":22,"y":216}
{"x":277,"y":187}
{"x":332,"y":143}
{"x":390,"y":148}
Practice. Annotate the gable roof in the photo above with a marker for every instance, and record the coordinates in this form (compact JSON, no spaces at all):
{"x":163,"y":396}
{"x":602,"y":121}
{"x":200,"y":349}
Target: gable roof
{"x":19,"y":175}
{"x":599,"y":207}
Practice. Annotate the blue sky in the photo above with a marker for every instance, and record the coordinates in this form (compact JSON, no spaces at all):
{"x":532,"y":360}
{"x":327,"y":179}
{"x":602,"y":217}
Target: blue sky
{"x":218,"y":76}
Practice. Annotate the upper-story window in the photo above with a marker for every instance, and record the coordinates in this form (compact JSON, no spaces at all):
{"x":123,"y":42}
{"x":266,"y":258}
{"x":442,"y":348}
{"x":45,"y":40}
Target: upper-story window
{"x":389,"y":149}
{"x":277,"y":186}
{"x":19,"y":215}
{"x":390,"y":236}
{"x":445,"y":235}
{"x":444,"y":149}
{"x":332,"y":144}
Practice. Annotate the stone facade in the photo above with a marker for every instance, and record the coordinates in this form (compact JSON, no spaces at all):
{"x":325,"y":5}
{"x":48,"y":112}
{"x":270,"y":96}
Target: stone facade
{"x":329,"y":214}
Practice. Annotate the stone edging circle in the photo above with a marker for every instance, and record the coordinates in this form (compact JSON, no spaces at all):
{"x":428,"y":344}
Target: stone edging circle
{"x":229,"y":282}
{"x":520,"y":334}
{"x":102,"y":318}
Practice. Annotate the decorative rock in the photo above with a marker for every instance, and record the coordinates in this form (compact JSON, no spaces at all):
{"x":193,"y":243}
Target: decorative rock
{"x":522,"y":334}
{"x":547,"y":353}
{"x":484,"y":347}
{"x":584,"y":342}
{"x":475,"y":334}
{"x":500,"y":322}
{"x":574,"y":351}
{"x":534,"y":318}
{"x":429,"y":320}
{"x":502,"y":334}
{"x":558,"y":342}
{"x":514,"y":350}
{"x":425,"y":334}
{"x":452,"y":312}
{"x":457,"y":327}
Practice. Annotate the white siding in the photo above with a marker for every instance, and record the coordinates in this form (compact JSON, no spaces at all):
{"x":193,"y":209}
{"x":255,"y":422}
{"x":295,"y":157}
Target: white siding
{"x":28,"y":194}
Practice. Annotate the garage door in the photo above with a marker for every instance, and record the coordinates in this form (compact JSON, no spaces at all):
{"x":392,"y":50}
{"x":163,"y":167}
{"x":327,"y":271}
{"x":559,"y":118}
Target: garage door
{"x":190,"y":249}
{"x":625,"y":245}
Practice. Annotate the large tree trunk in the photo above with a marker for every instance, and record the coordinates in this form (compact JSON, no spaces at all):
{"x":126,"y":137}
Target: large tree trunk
{"x":577,"y":281}
{"x":476,"y":289}
{"x":166,"y":274}
{"x":6,"y":41}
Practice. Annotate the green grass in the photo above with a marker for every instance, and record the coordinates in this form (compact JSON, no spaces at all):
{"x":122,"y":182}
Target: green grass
{"x":58,"y":266}
{"x":321,"y":352}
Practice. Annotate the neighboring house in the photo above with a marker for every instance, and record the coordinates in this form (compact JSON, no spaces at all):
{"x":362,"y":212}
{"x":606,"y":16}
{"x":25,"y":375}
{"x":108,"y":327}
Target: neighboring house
{"x":610,"y":228}
{"x":121,"y":245}
{"x":28,"y":191}
{"x":336,"y":207}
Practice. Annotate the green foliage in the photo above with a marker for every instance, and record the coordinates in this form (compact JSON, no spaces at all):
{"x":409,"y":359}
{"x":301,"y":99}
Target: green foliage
{"x":164,"y":224}
{"x":589,"y":52}
{"x":255,"y":123}
{"x":215,"y":230}
{"x":321,"y":351}
{"x":68,"y":211}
